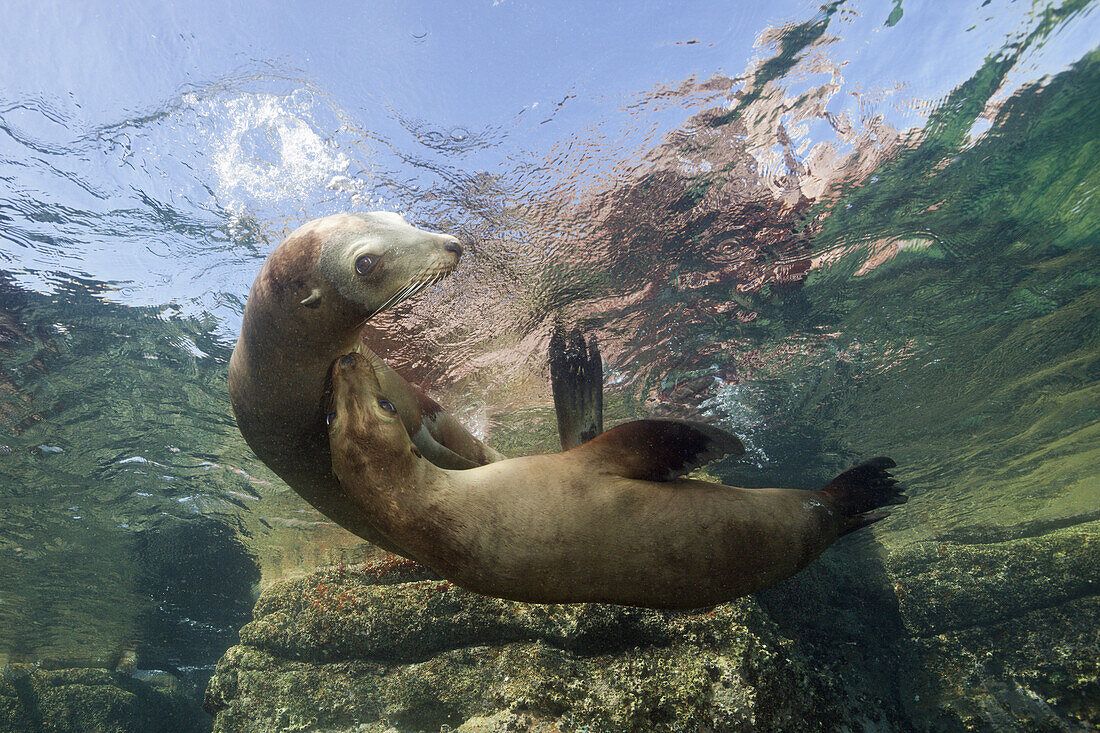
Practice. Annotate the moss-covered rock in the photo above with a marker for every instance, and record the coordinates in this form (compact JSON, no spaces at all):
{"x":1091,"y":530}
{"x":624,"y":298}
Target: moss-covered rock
{"x":974,"y":633}
{"x":948,"y":585}
{"x":34,"y":700}
{"x":388,"y":645}
{"x":1005,"y":629}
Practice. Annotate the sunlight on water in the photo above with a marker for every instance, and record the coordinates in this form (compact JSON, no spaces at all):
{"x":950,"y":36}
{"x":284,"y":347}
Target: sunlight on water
{"x":265,"y":148}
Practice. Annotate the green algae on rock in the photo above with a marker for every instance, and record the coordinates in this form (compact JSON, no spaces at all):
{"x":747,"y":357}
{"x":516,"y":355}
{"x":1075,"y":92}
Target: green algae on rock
{"x":34,"y":700}
{"x":1005,"y":627}
{"x":858,"y":640}
{"x":350,"y":649}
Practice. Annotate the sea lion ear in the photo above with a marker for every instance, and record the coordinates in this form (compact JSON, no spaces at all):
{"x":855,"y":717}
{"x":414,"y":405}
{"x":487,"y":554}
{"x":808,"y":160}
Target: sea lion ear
{"x":658,"y":450}
{"x":313,"y":299}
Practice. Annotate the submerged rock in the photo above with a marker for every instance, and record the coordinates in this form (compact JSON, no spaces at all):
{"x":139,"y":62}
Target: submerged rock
{"x":388,"y":645}
{"x":963,"y":635}
{"x":1006,"y":629}
{"x":34,"y":700}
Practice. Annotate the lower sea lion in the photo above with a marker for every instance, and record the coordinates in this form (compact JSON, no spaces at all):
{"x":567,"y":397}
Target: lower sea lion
{"x":609,"y":521}
{"x":307,"y":307}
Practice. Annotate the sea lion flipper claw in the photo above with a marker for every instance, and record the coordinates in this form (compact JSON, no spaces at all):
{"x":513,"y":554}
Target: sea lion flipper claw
{"x":576,"y":377}
{"x":659,"y":449}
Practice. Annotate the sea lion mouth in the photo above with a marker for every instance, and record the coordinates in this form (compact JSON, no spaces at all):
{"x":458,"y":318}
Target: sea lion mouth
{"x":339,"y":373}
{"x":340,"y":388}
{"x":336,"y":379}
{"x":350,"y":375}
{"x":425,"y":278}
{"x":328,"y":392}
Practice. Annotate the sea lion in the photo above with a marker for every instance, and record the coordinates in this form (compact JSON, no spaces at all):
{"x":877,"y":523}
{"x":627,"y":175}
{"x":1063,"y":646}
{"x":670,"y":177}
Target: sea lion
{"x":306,"y":308}
{"x":609,"y":521}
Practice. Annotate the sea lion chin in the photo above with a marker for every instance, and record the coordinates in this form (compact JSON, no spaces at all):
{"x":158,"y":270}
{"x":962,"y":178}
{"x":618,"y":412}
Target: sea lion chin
{"x":306,"y":308}
{"x":612,"y":520}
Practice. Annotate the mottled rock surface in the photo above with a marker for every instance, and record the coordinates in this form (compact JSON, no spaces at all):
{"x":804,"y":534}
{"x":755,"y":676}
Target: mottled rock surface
{"x":1006,"y":631}
{"x":34,"y":700}
{"x":961,"y":635}
{"x":388,"y":646}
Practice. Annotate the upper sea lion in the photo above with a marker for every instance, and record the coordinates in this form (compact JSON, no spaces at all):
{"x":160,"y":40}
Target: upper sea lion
{"x":307,"y":307}
{"x":609,"y":521}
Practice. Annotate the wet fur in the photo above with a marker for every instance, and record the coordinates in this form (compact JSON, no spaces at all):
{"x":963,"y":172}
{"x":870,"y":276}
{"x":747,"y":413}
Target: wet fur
{"x":299,"y":317}
{"x":581,"y":525}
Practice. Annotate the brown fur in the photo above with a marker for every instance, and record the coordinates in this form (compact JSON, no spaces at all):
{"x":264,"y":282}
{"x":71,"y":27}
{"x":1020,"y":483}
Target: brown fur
{"x":576,"y":526}
{"x":278,"y":368}
{"x":288,"y":267}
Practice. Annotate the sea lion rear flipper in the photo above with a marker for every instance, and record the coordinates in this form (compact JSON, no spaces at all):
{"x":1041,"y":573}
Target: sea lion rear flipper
{"x":576,"y":377}
{"x":658,"y":449}
{"x":860,"y":491}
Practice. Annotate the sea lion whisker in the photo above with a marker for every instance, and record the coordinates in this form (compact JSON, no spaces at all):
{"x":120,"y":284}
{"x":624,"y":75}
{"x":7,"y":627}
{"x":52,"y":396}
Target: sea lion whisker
{"x":394,"y":300}
{"x":379,"y":309}
{"x":412,"y":290}
{"x":421,"y":283}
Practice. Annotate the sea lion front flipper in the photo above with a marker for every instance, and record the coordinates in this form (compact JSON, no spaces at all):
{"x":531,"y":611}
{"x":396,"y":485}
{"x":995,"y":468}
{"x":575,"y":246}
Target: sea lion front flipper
{"x":658,"y":449}
{"x":440,"y":455}
{"x":576,"y":377}
{"x":441,"y":438}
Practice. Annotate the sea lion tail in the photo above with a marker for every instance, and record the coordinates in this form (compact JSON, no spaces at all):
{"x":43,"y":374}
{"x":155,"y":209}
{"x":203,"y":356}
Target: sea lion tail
{"x":576,"y":376}
{"x":860,"y":492}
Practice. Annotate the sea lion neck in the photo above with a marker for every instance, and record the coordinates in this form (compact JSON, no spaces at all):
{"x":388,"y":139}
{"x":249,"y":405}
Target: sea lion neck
{"x":297,"y":321}
{"x":389,"y":471}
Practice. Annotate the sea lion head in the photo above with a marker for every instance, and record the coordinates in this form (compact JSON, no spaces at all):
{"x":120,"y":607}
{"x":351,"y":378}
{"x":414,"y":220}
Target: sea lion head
{"x":366,"y":435}
{"x":359,"y":264}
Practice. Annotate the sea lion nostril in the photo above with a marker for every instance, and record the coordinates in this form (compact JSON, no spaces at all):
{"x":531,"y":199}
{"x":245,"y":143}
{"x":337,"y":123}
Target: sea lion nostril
{"x":347,"y":361}
{"x":453,"y":247}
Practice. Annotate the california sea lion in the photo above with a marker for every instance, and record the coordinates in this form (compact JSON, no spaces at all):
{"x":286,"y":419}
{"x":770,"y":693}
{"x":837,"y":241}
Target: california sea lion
{"x":609,"y":521}
{"x":306,"y":308}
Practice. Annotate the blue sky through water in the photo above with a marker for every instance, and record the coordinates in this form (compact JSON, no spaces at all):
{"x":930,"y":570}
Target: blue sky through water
{"x":538,"y":72}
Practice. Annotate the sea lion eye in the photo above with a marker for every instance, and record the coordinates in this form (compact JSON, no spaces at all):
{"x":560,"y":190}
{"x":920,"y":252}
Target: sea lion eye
{"x":387,"y":405}
{"x":330,"y":417}
{"x":364,"y":264}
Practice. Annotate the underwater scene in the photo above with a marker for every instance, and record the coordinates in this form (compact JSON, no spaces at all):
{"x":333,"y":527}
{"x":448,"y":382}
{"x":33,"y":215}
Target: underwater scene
{"x":835,"y":231}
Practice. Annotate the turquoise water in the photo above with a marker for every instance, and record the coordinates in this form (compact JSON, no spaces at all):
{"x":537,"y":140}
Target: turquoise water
{"x":839,"y":231}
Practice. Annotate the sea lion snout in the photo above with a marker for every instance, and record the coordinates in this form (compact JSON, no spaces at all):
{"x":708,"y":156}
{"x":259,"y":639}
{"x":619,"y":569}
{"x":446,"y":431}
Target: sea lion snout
{"x":454,"y":246}
{"x":353,"y":373}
